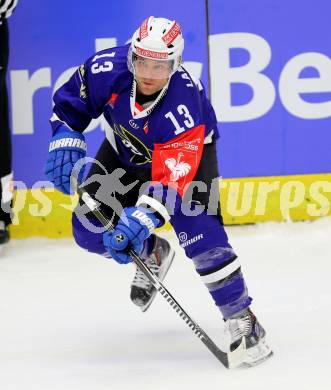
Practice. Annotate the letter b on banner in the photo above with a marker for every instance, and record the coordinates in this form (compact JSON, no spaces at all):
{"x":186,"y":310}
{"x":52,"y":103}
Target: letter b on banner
{"x":222,"y":76}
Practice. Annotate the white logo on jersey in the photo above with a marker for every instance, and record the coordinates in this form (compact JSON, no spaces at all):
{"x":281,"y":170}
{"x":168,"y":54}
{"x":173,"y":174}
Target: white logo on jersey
{"x":192,"y":241}
{"x":178,"y":168}
{"x":182,"y":236}
{"x":133,"y":124}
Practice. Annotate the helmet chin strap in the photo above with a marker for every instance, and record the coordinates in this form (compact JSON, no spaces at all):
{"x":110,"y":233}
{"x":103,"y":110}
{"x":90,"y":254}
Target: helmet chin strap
{"x":148,"y":110}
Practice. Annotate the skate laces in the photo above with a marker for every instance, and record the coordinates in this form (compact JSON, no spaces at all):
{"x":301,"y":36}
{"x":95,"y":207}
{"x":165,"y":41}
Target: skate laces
{"x":238,"y":327}
{"x":140,"y":279}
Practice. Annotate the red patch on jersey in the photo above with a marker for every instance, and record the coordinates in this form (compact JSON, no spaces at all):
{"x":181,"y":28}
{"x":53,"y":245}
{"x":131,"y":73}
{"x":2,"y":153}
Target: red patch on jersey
{"x":113,"y":99}
{"x":175,"y":163}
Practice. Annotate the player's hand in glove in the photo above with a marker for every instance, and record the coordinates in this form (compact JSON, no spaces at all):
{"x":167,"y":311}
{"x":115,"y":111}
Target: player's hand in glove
{"x":136,"y":224}
{"x":65,"y":149}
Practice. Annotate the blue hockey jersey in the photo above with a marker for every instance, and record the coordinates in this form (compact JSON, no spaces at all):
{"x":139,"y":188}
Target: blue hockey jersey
{"x":168,"y":136}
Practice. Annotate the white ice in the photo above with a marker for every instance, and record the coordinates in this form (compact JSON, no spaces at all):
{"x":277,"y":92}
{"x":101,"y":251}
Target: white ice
{"x":66,"y":321}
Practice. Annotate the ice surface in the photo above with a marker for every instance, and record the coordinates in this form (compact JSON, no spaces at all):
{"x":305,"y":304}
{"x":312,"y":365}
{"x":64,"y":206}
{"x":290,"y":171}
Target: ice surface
{"x":66,"y":321}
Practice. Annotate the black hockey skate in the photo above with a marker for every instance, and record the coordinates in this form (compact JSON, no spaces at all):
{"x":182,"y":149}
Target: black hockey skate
{"x":4,"y":233}
{"x":246,"y":329}
{"x":159,"y":261}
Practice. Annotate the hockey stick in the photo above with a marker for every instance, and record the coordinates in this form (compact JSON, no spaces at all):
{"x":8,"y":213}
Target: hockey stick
{"x":228,"y":360}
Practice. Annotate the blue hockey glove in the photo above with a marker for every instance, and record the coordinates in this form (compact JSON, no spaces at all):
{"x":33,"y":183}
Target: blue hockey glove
{"x":66,"y":148}
{"x":136,"y":224}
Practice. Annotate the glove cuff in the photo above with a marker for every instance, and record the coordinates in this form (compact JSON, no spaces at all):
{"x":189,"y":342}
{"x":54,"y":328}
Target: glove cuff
{"x":150,"y":204}
{"x":68,"y":140}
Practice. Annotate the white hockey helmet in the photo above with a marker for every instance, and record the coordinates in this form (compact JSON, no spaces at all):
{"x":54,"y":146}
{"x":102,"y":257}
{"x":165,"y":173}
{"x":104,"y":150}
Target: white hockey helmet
{"x":158,"y":39}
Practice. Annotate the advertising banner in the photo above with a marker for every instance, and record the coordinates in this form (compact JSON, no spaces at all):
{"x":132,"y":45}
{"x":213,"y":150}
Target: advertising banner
{"x":270,"y":71}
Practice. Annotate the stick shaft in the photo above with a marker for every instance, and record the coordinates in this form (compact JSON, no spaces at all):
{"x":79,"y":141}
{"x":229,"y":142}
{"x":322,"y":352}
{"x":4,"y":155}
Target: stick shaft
{"x":195,"y":328}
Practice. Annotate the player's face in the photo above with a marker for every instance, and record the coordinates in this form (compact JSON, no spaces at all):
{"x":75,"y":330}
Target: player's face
{"x":151,"y":75}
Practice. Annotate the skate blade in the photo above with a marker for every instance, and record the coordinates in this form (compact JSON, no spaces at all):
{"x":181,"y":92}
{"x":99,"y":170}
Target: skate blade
{"x":257,"y":362}
{"x":161,"y":278}
{"x":235,"y":358}
{"x":256,"y":355}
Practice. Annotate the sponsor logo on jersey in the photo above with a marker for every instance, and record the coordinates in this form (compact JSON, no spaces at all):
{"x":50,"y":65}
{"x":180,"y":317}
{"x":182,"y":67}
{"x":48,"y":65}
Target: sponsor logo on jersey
{"x":182,"y":236}
{"x":144,"y":219}
{"x":178,"y":168}
{"x":133,"y":124}
{"x":175,"y":163}
{"x":191,"y":240}
{"x":67,"y":142}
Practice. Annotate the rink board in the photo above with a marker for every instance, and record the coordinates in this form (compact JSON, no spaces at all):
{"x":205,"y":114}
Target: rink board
{"x":244,"y":201}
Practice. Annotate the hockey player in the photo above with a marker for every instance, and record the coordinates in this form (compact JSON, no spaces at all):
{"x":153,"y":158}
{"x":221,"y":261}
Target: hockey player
{"x":157,"y":164}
